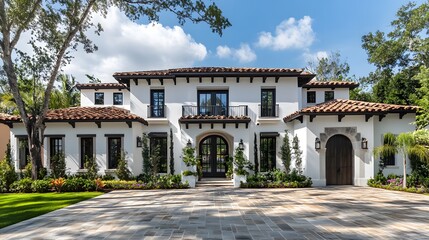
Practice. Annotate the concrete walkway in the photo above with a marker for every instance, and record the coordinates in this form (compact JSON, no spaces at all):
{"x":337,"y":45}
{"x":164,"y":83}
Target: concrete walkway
{"x":226,"y":213}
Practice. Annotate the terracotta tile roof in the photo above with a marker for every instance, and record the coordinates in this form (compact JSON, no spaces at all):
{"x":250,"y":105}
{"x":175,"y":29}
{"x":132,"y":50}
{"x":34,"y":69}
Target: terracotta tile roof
{"x":101,"y":86}
{"x":351,"y":107}
{"x":83,"y":114}
{"x":330,"y":84}
{"x":211,"y":70}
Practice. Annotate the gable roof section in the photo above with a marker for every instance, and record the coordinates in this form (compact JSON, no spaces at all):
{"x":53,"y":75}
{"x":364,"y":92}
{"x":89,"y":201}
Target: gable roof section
{"x":330,"y":84}
{"x":82,"y":114}
{"x":215,"y":71}
{"x":101,"y":86}
{"x":350,"y":107}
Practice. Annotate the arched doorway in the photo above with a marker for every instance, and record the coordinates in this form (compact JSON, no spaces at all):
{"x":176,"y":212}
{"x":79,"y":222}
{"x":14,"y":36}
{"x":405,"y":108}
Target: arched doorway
{"x":339,"y":161}
{"x":213,"y":155}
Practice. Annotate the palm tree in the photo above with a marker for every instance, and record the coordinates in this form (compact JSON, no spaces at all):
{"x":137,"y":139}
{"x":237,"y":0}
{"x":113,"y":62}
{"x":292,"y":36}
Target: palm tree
{"x":388,"y":148}
{"x":67,"y":95}
{"x":407,"y":145}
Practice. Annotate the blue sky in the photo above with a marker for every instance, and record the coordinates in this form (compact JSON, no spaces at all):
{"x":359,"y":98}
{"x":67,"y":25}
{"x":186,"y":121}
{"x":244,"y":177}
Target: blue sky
{"x":305,"y":29}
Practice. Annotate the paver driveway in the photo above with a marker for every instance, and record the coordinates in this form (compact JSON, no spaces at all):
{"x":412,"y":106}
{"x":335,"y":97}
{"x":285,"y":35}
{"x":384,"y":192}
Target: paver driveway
{"x":225,"y":213}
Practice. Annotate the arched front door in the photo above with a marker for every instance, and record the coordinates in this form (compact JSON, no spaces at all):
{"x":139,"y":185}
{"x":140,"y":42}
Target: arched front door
{"x":213,"y":154}
{"x":339,"y":161}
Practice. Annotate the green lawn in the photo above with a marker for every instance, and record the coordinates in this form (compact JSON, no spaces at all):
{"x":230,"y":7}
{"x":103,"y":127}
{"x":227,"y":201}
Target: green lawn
{"x":17,"y":207}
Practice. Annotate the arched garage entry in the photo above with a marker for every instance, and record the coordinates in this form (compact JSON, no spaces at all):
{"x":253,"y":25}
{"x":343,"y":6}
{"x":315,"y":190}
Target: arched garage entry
{"x":339,"y":161}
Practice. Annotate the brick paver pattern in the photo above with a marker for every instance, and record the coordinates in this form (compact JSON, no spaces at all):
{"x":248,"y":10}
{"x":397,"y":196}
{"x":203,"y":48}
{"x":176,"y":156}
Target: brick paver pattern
{"x":226,"y":213}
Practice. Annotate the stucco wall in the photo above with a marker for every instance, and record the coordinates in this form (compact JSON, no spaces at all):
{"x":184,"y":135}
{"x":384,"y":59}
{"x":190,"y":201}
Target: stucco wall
{"x":87,"y":97}
{"x":339,"y":93}
{"x":4,"y":139}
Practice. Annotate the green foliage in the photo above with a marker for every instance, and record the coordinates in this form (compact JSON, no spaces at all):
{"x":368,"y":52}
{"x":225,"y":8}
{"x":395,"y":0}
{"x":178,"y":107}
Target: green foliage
{"x":27,"y":170}
{"x":189,"y":173}
{"x":241,"y":164}
{"x":286,"y":153}
{"x":188,"y":156}
{"x":78,"y":184}
{"x":107,"y":177}
{"x":422,"y":119}
{"x":278,"y":179}
{"x":145,"y":154}
{"x":67,"y":95}
{"x":150,"y":182}
{"x":330,"y":68}
{"x":388,"y":148}
{"x":91,"y":167}
{"x":155,"y":160}
{"x":171,"y":152}
{"x":297,"y":153}
{"x":122,"y":170}
{"x":22,"y":185}
{"x":7,"y":174}
{"x":41,"y":186}
{"x":58,"y":166}
{"x":230,"y":167}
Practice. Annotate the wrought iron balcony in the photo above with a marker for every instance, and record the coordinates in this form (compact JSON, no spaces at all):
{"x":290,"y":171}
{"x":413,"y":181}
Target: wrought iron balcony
{"x":156,"y":111}
{"x":269,"y":110}
{"x":230,"y":111}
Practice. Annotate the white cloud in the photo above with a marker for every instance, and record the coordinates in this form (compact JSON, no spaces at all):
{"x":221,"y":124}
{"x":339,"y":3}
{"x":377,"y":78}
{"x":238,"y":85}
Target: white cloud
{"x":314,"y":57}
{"x":290,"y":33}
{"x":244,"y":54}
{"x":127,"y":46}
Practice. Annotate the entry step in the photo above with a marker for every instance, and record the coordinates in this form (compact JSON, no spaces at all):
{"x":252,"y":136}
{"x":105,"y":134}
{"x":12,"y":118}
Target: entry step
{"x":214,"y":182}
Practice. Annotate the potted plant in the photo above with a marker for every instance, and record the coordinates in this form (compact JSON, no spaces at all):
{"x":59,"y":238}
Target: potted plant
{"x":189,"y":175}
{"x":240,"y":167}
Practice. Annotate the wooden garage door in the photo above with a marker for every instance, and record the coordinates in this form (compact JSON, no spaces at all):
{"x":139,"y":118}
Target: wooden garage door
{"x":339,"y":161}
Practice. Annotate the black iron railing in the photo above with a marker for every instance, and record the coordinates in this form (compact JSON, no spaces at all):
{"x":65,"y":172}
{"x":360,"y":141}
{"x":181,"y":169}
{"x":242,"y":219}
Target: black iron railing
{"x":156,"y":111}
{"x":269,"y":110}
{"x":234,"y":111}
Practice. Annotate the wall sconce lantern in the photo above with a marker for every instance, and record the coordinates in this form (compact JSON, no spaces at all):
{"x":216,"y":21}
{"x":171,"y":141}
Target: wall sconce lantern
{"x":241,"y":145}
{"x":139,"y":142}
{"x":189,"y":144}
{"x":364,"y":143}
{"x":317,"y":144}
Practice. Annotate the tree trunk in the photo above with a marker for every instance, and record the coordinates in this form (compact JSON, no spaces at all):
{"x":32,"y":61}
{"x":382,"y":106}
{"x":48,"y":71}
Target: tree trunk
{"x":35,"y":139}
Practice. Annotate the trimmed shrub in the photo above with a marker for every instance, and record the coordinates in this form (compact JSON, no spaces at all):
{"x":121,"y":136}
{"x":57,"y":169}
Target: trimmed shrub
{"x":27,"y":170}
{"x":122,"y":170}
{"x":41,"y":186}
{"x":58,"y":166}
{"x":91,"y":167}
{"x":22,"y":186}
{"x":7,"y":175}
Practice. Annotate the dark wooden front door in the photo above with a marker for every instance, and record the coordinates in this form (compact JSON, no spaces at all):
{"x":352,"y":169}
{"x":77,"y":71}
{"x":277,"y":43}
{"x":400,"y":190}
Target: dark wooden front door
{"x":339,"y":161}
{"x":213,"y":154}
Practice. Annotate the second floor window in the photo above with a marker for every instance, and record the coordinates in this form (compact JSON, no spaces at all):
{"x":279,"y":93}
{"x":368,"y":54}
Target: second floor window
{"x":329,"y":95}
{"x":157,"y":102}
{"x":311,"y":97}
{"x":99,"y":98}
{"x":268,"y":103}
{"x":213,"y":103}
{"x":118,"y":99}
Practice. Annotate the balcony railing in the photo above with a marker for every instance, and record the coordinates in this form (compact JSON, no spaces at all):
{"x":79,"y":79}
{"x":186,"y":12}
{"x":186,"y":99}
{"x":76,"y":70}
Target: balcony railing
{"x":234,"y":111}
{"x":268,"y":110}
{"x":156,"y":111}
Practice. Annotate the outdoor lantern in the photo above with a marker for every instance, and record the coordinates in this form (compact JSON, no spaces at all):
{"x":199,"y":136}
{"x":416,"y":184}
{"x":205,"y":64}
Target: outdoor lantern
{"x":317,"y":144}
{"x":241,"y":145}
{"x":139,"y":142}
{"x":189,"y":144}
{"x":364,"y":143}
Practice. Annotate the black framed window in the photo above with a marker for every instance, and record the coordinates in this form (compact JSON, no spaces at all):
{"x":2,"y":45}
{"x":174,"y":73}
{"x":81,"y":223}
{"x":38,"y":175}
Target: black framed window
{"x":159,"y":144}
{"x":388,"y":160}
{"x":311,"y":97}
{"x":118,"y":98}
{"x":55,"y":146}
{"x":329,"y":95}
{"x":23,"y":152}
{"x":99,"y":98}
{"x":213,"y":103}
{"x":268,"y":103}
{"x":114,"y":147}
{"x":86,"y":150}
{"x":268,"y":154}
{"x":157,"y":102}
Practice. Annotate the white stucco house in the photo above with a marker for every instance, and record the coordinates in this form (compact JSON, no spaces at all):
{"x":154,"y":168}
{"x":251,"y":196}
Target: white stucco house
{"x":215,"y":109}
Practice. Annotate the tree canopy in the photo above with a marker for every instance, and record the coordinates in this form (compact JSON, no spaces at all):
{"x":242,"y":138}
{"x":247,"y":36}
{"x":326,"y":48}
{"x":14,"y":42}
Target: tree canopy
{"x":58,"y":27}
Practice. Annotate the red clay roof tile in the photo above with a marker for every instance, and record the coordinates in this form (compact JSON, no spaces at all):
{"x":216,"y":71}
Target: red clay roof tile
{"x":330,"y":84}
{"x":348,"y":107}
